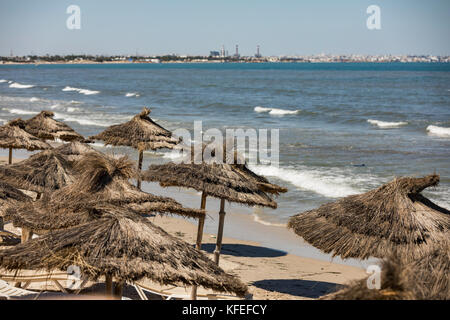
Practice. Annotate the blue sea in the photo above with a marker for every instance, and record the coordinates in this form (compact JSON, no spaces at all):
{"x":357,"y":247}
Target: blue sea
{"x":344,"y":128}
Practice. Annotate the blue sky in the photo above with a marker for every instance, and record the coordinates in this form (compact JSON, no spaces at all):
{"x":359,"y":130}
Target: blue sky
{"x":283,"y":27}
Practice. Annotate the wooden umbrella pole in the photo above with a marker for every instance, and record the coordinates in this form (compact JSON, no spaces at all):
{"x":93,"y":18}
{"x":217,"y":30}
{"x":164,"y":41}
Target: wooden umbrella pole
{"x":109,"y":286}
{"x":10,"y":156}
{"x":27,"y":234}
{"x":141,"y":157}
{"x":201,"y":223}
{"x":198,"y":245}
{"x":220,"y":231}
{"x":118,"y":290}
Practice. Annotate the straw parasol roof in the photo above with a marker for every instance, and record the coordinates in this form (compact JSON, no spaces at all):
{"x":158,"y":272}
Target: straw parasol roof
{"x":101,"y":180}
{"x":46,"y":170}
{"x":427,"y":278}
{"x":125,"y":246}
{"x":216,"y":180}
{"x":13,"y":136}
{"x":141,"y":133}
{"x":10,"y":196}
{"x":45,"y":127}
{"x":394,"y":216}
{"x":75,"y":150}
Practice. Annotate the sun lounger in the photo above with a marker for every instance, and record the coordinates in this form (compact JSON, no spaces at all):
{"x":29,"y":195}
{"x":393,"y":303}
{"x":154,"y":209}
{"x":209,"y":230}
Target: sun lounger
{"x":7,"y":291}
{"x":167,"y":295}
{"x":56,"y":277}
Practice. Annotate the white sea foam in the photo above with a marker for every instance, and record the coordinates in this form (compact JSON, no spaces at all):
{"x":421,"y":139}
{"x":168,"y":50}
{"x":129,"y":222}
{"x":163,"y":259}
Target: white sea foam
{"x":384,"y":124}
{"x":256,"y":218}
{"x":20,"y":111}
{"x":3,"y":80}
{"x":438,"y":131}
{"x":332,"y":186}
{"x":34,"y":99}
{"x":82,"y":91}
{"x":132,"y":94}
{"x":88,"y":120}
{"x":17,"y":85}
{"x":72,"y":109}
{"x":275,"y":111}
{"x":261,"y":109}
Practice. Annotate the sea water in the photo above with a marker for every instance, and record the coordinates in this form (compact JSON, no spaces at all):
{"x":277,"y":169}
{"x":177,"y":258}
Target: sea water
{"x":344,"y":128}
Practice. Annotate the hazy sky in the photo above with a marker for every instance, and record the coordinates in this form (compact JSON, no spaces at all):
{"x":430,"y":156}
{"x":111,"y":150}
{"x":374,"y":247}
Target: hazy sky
{"x":282,"y":27}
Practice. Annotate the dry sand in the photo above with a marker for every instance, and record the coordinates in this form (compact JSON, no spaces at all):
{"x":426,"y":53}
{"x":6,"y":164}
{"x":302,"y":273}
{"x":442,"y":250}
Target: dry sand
{"x":270,"y":273}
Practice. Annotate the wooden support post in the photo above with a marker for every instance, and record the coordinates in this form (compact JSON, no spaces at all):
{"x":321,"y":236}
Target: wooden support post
{"x":220,"y":231}
{"x":10,"y":155}
{"x":27,"y":234}
{"x":109,"y":286}
{"x":2,"y":224}
{"x":198,"y":245}
{"x":118,"y":290}
{"x":141,"y":157}
{"x":201,"y":223}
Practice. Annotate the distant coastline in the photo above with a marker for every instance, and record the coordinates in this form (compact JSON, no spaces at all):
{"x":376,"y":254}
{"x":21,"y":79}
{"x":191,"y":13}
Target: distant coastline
{"x":90,"y":59}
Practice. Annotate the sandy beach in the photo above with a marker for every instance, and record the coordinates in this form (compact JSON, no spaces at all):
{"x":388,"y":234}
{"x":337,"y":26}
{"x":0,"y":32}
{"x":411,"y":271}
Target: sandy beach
{"x":263,"y":262}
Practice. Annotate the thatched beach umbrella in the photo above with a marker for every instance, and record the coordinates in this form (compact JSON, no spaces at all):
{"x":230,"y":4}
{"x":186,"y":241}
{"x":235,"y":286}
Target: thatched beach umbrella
{"x":12,"y":136}
{"x":122,"y":245}
{"x":45,"y":127}
{"x":100,"y":180}
{"x":141,"y":133}
{"x":44,"y":171}
{"x":75,"y":150}
{"x":426,"y":278}
{"x":393,"y":217}
{"x":219,"y":180}
{"x":10,"y":196}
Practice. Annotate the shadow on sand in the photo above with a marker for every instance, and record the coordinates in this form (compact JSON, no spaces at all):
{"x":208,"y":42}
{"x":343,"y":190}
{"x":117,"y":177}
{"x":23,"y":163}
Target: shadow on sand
{"x":300,"y":288}
{"x":243,"y":250}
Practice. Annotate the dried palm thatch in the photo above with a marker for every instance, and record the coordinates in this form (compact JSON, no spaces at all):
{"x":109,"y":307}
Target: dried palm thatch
{"x":45,"y":127}
{"x":141,"y":133}
{"x":12,"y":136}
{"x":10,"y":196}
{"x":44,"y":171}
{"x":125,"y":246}
{"x":206,"y":153}
{"x":101,"y":180}
{"x":373,"y":224}
{"x":75,"y":150}
{"x":216,"y":180}
{"x":427,"y":278}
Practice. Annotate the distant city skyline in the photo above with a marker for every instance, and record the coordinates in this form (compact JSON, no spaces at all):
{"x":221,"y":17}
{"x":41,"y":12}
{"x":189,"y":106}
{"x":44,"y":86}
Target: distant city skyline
{"x":198,"y":27}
